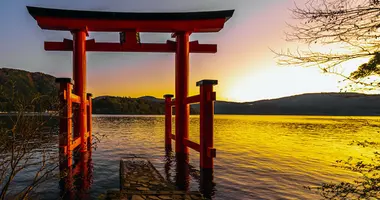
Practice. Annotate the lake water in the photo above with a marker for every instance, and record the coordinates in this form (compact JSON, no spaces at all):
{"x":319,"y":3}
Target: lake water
{"x":258,"y":157}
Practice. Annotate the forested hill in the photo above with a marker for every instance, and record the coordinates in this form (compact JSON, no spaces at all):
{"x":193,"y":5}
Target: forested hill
{"x":341,"y":104}
{"x":22,"y":87}
{"x":26,"y":85}
{"x":22,"y":90}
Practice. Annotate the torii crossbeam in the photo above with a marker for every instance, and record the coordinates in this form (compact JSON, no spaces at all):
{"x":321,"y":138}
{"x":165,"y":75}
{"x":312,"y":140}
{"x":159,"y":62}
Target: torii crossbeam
{"x":130,"y":24}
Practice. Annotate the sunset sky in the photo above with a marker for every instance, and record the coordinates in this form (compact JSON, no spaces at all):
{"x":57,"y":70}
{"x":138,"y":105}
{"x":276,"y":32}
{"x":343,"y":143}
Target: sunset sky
{"x":244,"y":65}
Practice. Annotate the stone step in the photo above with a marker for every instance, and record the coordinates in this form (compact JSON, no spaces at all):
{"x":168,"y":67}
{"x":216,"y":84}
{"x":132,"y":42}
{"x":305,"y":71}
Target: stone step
{"x":140,"y":180}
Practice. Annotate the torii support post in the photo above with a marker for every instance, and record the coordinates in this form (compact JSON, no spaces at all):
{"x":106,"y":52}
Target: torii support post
{"x":182,"y":109}
{"x":85,"y":174}
{"x":89,"y":121}
{"x":168,"y":121}
{"x":207,"y":98}
{"x":77,"y":179}
{"x":79,"y":74}
{"x":207,"y":150}
{"x":65,"y":122}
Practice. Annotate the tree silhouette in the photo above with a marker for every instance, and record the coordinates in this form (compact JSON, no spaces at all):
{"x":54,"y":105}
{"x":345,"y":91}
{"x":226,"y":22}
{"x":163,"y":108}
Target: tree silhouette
{"x":346,"y":30}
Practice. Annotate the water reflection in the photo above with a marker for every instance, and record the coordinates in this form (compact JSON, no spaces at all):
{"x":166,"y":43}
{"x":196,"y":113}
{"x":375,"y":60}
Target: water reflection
{"x":183,"y":171}
{"x":259,"y":157}
{"x":207,"y":184}
{"x":76,"y":181}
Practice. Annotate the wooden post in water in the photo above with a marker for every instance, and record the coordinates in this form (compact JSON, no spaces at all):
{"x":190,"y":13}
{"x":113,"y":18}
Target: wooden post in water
{"x":207,"y":150}
{"x":65,"y":122}
{"x":207,"y":98}
{"x":168,"y":121}
{"x":89,"y":121}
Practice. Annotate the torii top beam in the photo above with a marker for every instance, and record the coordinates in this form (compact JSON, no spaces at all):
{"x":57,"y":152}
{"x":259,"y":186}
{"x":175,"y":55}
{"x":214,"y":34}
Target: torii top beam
{"x":130,"y":24}
{"x":58,"y":19}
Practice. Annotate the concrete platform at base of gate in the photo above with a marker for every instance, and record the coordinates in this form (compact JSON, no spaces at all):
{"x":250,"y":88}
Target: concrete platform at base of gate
{"x":140,"y":180}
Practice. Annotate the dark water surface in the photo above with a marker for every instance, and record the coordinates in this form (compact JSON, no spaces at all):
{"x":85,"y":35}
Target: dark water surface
{"x":258,"y":157}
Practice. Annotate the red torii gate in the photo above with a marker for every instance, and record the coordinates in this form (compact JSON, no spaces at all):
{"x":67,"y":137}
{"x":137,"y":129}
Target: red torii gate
{"x":181,"y":25}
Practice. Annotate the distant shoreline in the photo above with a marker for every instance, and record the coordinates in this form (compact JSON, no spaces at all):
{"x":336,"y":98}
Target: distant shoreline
{"x":2,"y":114}
{"x":29,"y":114}
{"x":99,"y":115}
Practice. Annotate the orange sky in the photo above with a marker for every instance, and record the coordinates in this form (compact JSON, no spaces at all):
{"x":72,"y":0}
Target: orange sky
{"x":244,"y":64}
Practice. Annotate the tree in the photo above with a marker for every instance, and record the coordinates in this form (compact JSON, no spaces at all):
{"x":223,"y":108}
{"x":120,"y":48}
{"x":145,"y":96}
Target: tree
{"x":26,"y":144}
{"x":29,"y":138}
{"x":346,"y":30}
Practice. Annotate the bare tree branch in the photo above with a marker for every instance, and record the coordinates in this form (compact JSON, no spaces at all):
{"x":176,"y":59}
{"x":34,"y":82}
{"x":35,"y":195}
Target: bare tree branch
{"x":349,"y":28}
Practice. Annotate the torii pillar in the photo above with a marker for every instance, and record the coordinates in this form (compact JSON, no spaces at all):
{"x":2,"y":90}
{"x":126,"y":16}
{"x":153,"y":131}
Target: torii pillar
{"x":182,"y":109}
{"x":79,"y":76}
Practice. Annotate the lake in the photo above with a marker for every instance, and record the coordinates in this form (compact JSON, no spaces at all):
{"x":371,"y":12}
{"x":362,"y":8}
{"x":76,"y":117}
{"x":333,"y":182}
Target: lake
{"x":258,"y":157}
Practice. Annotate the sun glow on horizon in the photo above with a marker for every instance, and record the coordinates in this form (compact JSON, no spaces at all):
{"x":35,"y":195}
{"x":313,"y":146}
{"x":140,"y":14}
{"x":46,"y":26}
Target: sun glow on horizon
{"x":244,"y":65}
{"x":247,"y":85}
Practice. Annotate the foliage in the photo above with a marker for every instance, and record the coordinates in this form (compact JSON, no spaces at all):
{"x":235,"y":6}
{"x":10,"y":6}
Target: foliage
{"x":131,"y":106}
{"x":20,"y":88}
{"x":126,"y":105}
{"x":25,"y":144}
{"x":27,"y":86}
{"x":349,"y":28}
{"x":365,"y":187}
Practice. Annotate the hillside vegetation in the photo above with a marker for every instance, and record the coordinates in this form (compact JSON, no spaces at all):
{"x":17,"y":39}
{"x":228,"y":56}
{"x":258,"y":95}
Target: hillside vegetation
{"x":18,"y":85}
{"x":355,"y":104}
{"x":23,"y":86}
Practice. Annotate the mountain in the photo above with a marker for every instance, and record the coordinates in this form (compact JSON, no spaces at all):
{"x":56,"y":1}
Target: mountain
{"x":126,"y":105}
{"x":29,"y":84}
{"x":145,"y":105}
{"x":19,"y":87}
{"x":25,"y":82}
{"x":150,"y":98}
{"x":343,"y":104}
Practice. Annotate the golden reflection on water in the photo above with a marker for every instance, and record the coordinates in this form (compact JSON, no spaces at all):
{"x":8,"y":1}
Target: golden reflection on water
{"x":258,"y":157}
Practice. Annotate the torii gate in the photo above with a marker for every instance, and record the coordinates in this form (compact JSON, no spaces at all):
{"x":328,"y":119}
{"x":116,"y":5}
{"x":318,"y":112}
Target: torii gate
{"x":129,"y":25}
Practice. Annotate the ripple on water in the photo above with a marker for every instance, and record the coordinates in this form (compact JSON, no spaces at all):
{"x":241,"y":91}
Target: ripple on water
{"x":258,"y":157}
